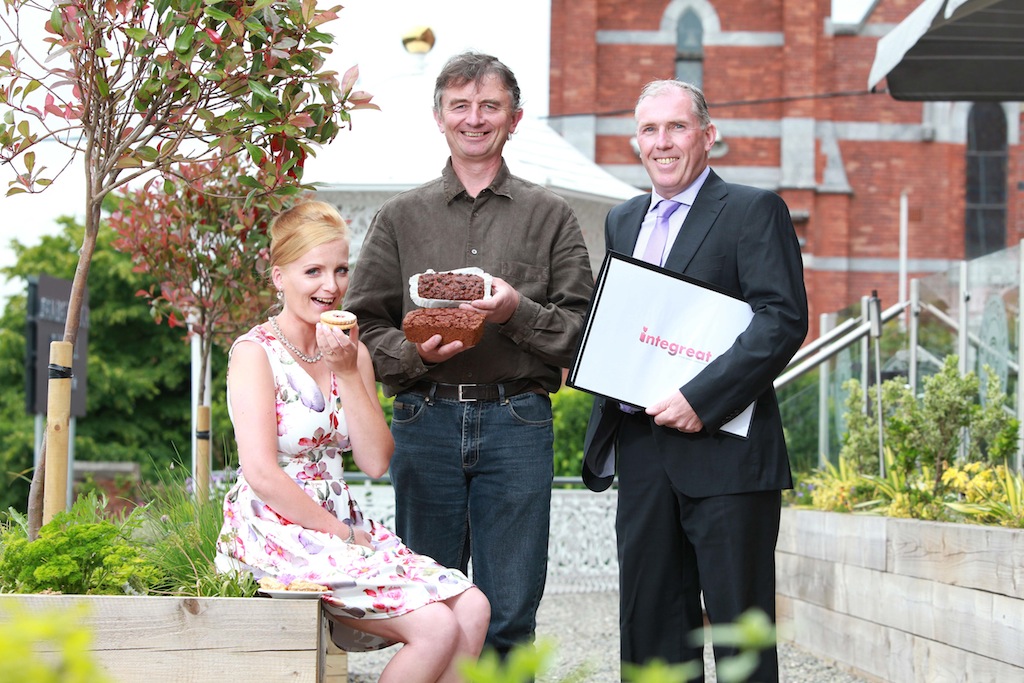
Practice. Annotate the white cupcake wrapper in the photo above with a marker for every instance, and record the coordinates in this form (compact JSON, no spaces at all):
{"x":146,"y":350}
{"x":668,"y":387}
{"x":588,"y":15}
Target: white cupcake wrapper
{"x":422,"y":302}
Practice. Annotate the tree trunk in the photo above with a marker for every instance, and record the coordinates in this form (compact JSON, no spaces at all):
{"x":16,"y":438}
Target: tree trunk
{"x":35,"y":495}
{"x":71,"y":325}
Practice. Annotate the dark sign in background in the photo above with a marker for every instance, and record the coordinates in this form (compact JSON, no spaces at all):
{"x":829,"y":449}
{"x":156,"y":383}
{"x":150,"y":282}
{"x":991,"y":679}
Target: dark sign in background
{"x":48,"y":301}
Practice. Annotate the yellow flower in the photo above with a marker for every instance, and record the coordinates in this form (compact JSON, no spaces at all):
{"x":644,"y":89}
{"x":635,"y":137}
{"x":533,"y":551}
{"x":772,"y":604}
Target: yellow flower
{"x":955,"y":478}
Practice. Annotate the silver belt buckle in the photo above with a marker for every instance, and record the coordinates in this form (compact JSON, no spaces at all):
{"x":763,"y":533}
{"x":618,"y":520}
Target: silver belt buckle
{"x":461,"y":397}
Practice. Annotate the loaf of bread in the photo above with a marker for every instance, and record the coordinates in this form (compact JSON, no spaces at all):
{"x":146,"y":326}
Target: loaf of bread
{"x":451,"y":286}
{"x":448,"y":289}
{"x":453,"y":324}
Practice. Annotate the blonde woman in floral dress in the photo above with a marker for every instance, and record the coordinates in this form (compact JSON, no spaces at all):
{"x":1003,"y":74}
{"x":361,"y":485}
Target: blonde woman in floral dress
{"x":299,"y":395}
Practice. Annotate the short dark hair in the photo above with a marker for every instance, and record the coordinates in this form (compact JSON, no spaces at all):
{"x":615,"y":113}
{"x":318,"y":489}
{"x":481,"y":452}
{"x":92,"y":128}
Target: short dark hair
{"x":473,"y":67}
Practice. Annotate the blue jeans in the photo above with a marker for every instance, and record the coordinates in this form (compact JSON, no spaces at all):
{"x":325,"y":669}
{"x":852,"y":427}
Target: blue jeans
{"x":473,"y":481}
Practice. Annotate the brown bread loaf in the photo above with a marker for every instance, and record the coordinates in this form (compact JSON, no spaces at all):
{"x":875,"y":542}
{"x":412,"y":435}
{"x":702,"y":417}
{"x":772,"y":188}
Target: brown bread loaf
{"x":451,"y":323}
{"x":451,"y":286}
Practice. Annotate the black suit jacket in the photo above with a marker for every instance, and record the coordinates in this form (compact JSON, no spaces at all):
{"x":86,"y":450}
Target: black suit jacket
{"x":741,"y":239}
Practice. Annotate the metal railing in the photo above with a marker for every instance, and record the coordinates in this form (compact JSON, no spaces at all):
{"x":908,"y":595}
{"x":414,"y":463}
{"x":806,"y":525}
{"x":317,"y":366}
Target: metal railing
{"x":1005,"y":279}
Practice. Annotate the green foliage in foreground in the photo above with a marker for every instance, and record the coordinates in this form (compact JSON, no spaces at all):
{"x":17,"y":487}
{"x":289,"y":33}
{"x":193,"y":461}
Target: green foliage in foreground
{"x":750,"y":634}
{"x":25,"y":636}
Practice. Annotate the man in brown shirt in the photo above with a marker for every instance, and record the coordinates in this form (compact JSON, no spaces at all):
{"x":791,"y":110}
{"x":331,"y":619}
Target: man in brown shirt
{"x":472,"y":468}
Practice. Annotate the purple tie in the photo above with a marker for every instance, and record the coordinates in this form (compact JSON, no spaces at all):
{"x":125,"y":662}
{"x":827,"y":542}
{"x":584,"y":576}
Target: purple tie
{"x":656,"y":244}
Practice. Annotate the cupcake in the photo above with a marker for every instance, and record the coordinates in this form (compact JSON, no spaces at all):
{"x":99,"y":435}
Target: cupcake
{"x":343,"y":320}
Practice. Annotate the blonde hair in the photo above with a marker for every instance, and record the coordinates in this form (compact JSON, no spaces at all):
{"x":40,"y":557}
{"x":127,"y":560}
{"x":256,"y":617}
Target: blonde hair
{"x":303,"y":227}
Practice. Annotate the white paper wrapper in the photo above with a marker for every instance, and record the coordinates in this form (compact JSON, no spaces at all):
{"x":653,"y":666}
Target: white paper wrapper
{"x":414,"y":286}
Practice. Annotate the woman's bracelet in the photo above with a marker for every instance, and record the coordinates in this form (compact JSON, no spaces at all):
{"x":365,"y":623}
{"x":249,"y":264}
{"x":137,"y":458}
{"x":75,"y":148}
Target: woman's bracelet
{"x":351,"y":533}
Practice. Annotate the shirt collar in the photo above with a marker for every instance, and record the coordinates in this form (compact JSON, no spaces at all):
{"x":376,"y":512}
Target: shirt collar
{"x":453,"y":187}
{"x":689,"y":194}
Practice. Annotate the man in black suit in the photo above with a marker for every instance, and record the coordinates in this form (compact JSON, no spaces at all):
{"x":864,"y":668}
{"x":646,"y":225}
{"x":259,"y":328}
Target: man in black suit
{"x":698,"y":509}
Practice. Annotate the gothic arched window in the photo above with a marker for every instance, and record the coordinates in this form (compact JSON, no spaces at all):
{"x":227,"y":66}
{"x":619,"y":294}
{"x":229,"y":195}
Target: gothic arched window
{"x":985,"y":215}
{"x":690,"y":49}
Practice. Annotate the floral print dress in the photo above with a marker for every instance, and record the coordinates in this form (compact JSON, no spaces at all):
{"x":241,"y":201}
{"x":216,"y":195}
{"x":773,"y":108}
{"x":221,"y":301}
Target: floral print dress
{"x":388,"y":581}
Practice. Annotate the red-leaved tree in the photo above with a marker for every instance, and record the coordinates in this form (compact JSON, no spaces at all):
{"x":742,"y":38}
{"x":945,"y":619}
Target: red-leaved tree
{"x":205,"y":246}
{"x":137,"y":87}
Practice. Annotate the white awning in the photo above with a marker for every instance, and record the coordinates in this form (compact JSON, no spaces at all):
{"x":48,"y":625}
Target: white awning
{"x":951,"y":50}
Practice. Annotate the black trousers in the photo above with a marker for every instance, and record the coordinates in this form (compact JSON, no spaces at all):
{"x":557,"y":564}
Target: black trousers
{"x":673,"y":547}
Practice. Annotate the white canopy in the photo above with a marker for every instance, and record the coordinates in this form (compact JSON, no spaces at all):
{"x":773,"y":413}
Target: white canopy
{"x":952,"y":50}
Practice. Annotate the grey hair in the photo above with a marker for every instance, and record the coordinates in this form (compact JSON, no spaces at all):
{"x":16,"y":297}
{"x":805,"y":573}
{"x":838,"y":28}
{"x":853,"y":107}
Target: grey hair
{"x":700,"y":105}
{"x":473,"y":67}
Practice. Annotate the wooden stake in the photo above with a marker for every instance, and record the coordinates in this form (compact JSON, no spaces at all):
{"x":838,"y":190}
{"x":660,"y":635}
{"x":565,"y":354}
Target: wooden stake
{"x":203,"y":452}
{"x":58,"y":417}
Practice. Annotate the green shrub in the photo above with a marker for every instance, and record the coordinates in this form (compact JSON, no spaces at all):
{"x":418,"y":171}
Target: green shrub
{"x":76,"y":552}
{"x":571,"y":411}
{"x":926,"y":432}
{"x":165,"y":547}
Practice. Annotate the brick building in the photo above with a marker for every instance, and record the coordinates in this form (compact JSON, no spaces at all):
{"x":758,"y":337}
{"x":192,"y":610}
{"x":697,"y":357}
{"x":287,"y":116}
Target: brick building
{"x":787,"y":89}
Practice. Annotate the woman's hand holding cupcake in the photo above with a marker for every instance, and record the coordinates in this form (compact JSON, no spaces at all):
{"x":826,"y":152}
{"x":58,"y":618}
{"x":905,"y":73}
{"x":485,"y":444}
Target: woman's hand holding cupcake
{"x":338,"y":337}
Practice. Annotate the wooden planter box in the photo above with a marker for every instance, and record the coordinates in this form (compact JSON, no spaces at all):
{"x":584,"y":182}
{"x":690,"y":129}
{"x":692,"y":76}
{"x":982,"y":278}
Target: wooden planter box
{"x":152,"y":639}
{"x":903,"y":600}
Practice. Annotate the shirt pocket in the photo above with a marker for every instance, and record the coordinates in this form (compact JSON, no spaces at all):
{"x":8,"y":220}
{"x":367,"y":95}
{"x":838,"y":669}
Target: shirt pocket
{"x":530,"y":280}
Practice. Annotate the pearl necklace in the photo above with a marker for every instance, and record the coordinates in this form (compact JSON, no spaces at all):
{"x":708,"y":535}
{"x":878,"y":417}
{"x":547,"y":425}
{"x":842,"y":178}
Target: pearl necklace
{"x":291,"y":347}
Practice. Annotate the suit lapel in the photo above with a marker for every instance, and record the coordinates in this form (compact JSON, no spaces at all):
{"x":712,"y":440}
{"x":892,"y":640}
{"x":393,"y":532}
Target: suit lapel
{"x":702,"y":215}
{"x":629,"y":227}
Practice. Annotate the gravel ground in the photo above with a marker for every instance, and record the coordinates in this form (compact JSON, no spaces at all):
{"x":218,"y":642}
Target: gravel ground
{"x":585,"y":628}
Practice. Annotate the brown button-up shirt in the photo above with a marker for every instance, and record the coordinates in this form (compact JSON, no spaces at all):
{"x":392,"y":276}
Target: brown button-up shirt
{"x":515,"y":230}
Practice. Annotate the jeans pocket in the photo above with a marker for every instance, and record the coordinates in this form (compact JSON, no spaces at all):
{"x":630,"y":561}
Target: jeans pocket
{"x":531,"y":409}
{"x":407,"y":408}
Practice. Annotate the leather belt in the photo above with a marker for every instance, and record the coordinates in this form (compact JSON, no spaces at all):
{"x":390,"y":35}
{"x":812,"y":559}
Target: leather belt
{"x":476,"y":392}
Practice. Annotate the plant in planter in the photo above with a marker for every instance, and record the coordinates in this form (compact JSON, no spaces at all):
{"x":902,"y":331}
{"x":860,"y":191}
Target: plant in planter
{"x":165,"y":614}
{"x":165,"y":547}
{"x":924,"y":476}
{"x":178,"y":533}
{"x":77,"y":552}
{"x":988,"y":496}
